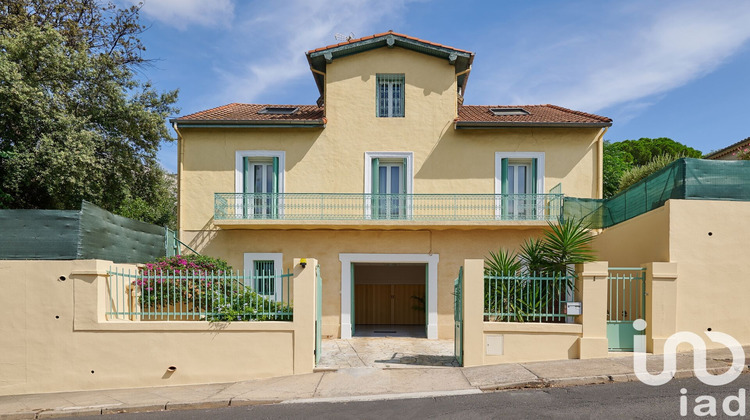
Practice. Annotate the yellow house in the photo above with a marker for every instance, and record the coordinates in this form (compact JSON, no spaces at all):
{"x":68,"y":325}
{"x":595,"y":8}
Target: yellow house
{"x":389,"y":180}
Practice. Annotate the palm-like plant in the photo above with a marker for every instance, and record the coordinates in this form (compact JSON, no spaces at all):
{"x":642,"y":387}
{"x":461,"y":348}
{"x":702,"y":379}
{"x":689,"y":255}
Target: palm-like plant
{"x":565,"y":244}
{"x":500,"y":283}
{"x":502,"y":263}
{"x":532,"y":256}
{"x":509,"y":281}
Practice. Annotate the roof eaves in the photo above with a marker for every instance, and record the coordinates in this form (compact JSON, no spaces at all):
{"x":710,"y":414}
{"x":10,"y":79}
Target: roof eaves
{"x":318,"y":58}
{"x":725,"y":151}
{"x":514,"y":124}
{"x":248,"y":123}
{"x":580,"y":113}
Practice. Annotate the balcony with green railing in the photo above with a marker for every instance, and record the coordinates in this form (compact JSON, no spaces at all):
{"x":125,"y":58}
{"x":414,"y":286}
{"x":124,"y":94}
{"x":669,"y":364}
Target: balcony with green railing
{"x":402,"y":210}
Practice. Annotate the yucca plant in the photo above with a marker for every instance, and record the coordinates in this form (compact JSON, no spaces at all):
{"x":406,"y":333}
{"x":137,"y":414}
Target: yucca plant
{"x":502,"y":263}
{"x":500,"y":270}
{"x":533,"y":257}
{"x":566,"y":243}
{"x":512,"y":281}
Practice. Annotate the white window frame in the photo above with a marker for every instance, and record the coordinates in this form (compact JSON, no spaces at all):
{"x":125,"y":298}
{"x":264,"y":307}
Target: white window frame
{"x":540,"y":166}
{"x":277,"y":258}
{"x":239,"y":175}
{"x":408,"y":173}
{"x":239,"y":167}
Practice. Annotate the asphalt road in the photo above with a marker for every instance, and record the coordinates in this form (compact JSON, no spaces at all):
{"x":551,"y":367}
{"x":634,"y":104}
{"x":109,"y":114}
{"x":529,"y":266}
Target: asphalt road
{"x":632,"y":400}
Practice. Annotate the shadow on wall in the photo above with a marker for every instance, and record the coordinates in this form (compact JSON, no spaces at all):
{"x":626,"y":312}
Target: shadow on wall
{"x":204,"y":237}
{"x":297,"y":143}
{"x":470,"y":154}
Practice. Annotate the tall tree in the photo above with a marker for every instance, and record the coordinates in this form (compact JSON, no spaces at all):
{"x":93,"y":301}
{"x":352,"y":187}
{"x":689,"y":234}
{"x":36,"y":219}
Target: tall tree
{"x":75,"y":122}
{"x":622,"y":156}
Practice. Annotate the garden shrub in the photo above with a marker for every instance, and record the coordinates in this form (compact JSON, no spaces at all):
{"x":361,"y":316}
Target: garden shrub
{"x":199,"y":284}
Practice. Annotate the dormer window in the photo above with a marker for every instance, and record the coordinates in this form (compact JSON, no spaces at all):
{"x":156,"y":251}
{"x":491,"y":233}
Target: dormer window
{"x":390,"y":95}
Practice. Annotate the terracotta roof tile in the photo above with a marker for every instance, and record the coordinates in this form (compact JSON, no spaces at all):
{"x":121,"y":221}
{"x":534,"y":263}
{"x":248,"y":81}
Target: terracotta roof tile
{"x":729,"y":149}
{"x":250,"y":112}
{"x":352,"y":41}
{"x":542,"y":114}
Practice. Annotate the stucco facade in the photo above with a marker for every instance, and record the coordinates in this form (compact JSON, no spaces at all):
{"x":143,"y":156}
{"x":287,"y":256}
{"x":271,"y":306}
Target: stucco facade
{"x":334,"y":154}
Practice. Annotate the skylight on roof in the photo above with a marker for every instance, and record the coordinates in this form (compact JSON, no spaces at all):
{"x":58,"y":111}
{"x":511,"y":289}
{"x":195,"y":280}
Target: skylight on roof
{"x":508,"y":111}
{"x":278,"y":110}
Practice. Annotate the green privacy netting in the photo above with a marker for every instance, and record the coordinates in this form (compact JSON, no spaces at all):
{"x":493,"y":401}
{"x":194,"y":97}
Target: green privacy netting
{"x":692,"y":179}
{"x":91,"y":233}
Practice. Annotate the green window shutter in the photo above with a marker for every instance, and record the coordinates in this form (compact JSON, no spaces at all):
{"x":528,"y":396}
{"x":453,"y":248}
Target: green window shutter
{"x":275,"y":175}
{"x":504,"y":201}
{"x":504,"y":176}
{"x":534,"y":199}
{"x":375,"y":187}
{"x":375,"y":175}
{"x":403,"y":171}
{"x":247,"y":176}
{"x":402,"y":201}
{"x":247,"y":182}
{"x":275,"y":199}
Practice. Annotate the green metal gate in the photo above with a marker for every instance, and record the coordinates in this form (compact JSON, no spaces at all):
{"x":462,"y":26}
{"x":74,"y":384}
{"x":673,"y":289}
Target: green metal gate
{"x":318,"y":314}
{"x":458,"y":317}
{"x":626,"y":302}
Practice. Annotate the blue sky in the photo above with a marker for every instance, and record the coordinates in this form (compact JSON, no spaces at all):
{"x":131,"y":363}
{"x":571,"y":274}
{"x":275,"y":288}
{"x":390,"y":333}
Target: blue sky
{"x":678,"y":69}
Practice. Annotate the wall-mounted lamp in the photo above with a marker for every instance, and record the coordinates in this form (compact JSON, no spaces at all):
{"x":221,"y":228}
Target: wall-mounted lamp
{"x":303,"y":262}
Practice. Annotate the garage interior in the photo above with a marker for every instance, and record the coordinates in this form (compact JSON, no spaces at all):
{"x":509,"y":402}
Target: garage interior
{"x":389,"y":299}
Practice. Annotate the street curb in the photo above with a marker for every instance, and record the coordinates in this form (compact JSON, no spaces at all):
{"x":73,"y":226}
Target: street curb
{"x":200,"y":405}
{"x":53,"y":414}
{"x":385,"y":397}
{"x":145,"y":408}
{"x":24,"y":415}
{"x":538,"y":383}
{"x":239,"y":402}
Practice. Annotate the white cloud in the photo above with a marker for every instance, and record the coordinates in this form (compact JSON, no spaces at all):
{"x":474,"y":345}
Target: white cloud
{"x":276,"y":38}
{"x":632,"y":53}
{"x":182,"y":13}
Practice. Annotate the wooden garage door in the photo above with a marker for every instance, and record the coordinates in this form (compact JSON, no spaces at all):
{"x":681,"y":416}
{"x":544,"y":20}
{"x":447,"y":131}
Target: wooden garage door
{"x":389,"y":304}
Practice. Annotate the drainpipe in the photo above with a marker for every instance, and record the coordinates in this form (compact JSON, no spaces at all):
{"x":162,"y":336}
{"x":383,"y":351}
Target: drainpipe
{"x":461,"y":73}
{"x":324,"y":89}
{"x":600,"y":162}
{"x":180,"y":149}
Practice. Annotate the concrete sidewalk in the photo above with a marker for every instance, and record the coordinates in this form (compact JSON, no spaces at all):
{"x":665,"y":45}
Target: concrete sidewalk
{"x":351,"y":384}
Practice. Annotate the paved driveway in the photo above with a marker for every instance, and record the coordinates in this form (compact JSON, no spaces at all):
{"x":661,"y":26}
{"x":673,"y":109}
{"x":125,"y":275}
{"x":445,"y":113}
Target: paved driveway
{"x":386,"y":352}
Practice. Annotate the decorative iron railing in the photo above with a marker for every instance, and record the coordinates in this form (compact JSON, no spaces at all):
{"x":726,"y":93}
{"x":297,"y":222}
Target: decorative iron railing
{"x":409,"y":207}
{"x":527,"y":297}
{"x":198,"y":295}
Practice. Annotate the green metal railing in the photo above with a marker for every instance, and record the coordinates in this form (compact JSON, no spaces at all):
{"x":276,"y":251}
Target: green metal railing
{"x":192,"y":295}
{"x":626,"y":296}
{"x":318,"y":315}
{"x":527,"y":297}
{"x":458,"y":317}
{"x":414,"y":207}
{"x":173,"y":245}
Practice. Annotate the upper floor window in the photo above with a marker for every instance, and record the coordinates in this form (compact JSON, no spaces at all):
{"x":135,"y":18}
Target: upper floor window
{"x":390,"y":95}
{"x":388,"y":184}
{"x":519,"y":178}
{"x":260,"y":178}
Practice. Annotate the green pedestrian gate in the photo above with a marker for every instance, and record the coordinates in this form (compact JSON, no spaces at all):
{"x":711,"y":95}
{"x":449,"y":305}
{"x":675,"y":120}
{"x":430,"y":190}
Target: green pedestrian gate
{"x":318,"y":314}
{"x":626,"y":302}
{"x":458,"y":317}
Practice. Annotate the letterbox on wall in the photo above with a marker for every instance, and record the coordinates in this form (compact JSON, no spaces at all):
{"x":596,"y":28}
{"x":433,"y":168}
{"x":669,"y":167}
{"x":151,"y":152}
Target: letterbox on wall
{"x":572,"y":308}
